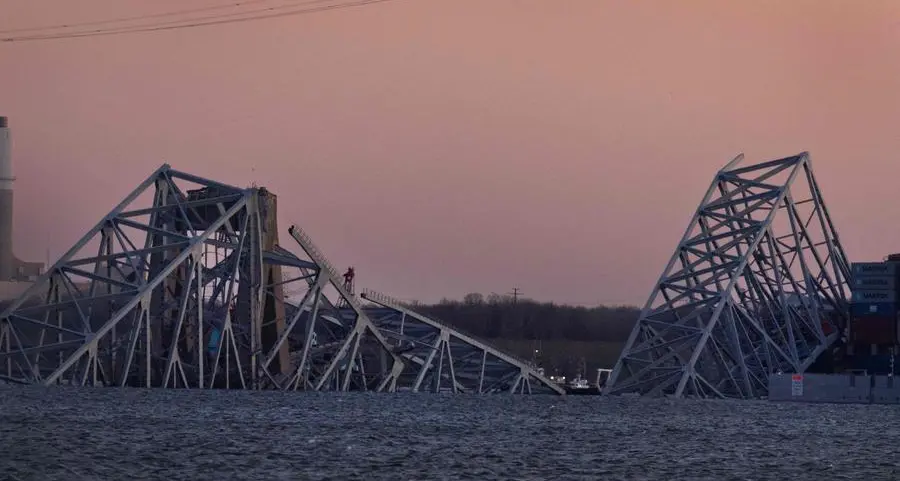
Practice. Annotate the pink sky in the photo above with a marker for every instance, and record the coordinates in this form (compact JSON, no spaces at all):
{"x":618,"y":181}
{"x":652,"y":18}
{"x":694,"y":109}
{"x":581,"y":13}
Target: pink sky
{"x":450,"y":146}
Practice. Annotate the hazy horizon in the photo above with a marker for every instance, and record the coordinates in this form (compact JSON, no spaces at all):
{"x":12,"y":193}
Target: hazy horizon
{"x":451,"y":146}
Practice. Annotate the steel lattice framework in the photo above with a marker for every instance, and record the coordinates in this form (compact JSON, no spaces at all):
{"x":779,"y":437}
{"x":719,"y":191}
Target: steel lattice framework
{"x":449,"y":360}
{"x":183,"y":284}
{"x":757,"y":285}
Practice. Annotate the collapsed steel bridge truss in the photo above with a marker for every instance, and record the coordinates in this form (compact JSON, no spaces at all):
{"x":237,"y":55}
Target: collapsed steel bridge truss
{"x":449,"y":360}
{"x":184,"y":284}
{"x":757,"y":285}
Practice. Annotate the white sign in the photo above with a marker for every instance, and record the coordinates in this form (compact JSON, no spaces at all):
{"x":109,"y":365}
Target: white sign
{"x":797,"y":385}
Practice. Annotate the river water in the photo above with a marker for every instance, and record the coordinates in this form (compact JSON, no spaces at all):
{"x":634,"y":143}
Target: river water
{"x":108,"y":434}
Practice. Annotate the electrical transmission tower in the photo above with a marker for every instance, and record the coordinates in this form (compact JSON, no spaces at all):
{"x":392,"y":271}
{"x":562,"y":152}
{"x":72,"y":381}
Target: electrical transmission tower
{"x":516,"y":292}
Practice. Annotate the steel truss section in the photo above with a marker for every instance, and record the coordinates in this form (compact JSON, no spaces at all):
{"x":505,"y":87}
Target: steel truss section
{"x":335,"y":337}
{"x":445,"y":359}
{"x":184,"y":285}
{"x":187,"y":290}
{"x":757,"y":285}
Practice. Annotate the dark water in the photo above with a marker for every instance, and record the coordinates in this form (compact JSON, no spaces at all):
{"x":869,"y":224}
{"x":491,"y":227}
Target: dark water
{"x":71,"y":434}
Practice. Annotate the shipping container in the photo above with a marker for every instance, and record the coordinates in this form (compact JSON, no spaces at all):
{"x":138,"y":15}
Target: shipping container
{"x":865,"y":269}
{"x":860,"y":362}
{"x":873,"y":309}
{"x":860,"y":295}
{"x":879,"y":364}
{"x":887,"y":283}
{"x":870,"y":330}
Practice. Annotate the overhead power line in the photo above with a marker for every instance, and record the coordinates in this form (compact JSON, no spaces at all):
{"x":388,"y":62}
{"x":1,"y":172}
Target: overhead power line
{"x":206,"y":18}
{"x":136,"y":17}
{"x":204,"y":21}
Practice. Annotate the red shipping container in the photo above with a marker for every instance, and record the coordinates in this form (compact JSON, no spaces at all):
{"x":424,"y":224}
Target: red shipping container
{"x":873,"y":330}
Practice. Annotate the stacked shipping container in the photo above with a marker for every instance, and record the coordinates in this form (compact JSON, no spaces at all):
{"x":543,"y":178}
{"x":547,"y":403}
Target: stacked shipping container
{"x":873,"y":305}
{"x":871,"y":349}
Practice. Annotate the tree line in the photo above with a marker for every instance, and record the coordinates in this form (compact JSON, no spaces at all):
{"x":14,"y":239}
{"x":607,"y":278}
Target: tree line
{"x":502,"y":317}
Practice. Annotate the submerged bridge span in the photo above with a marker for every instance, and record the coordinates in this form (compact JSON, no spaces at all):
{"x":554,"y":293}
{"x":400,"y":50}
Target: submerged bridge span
{"x":758,"y":285}
{"x":183,"y":285}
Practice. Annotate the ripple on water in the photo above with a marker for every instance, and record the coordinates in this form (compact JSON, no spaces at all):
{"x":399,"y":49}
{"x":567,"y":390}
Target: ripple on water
{"x":67,"y":434}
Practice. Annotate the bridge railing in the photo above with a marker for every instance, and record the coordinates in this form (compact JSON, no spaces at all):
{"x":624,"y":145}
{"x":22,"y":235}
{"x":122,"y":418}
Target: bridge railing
{"x":317,"y":256}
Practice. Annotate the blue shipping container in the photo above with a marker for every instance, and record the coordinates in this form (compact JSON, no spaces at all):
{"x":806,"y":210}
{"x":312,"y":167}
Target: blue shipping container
{"x":874,"y":296}
{"x":873,"y":309}
{"x":880,"y":364}
{"x":213,"y":340}
{"x":875,"y":283}
{"x":865,"y":269}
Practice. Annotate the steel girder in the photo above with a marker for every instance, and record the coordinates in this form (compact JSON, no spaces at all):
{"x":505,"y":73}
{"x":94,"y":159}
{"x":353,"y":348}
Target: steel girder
{"x":336,"y":336}
{"x":183,"y":284}
{"x":757,"y":285}
{"x":446,"y":359}
{"x":188,"y":292}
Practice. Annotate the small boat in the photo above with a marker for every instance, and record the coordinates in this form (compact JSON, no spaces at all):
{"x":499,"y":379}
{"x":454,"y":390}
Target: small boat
{"x":581,"y":386}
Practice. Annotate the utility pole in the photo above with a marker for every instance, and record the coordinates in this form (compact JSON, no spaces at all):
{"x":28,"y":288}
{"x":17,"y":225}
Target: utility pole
{"x":515,"y":293}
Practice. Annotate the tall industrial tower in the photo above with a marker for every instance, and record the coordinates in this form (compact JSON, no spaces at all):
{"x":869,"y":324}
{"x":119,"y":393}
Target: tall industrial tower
{"x":11,"y":268}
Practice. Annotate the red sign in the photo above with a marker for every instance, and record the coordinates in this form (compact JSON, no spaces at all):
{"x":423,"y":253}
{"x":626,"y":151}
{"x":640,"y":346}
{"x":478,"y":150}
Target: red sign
{"x":797,"y":377}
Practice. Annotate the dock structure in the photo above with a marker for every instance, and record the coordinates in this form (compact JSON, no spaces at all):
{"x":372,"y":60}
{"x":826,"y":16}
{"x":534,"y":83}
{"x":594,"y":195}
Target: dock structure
{"x":184,"y":284}
{"x":758,"y":285}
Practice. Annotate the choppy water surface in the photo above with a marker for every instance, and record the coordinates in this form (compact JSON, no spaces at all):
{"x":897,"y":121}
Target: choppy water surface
{"x":69,"y":434}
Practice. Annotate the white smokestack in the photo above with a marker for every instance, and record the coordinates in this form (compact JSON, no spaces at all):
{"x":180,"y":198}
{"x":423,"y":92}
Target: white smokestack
{"x":8,"y":264}
{"x":6,"y":175}
{"x":11,"y":268}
